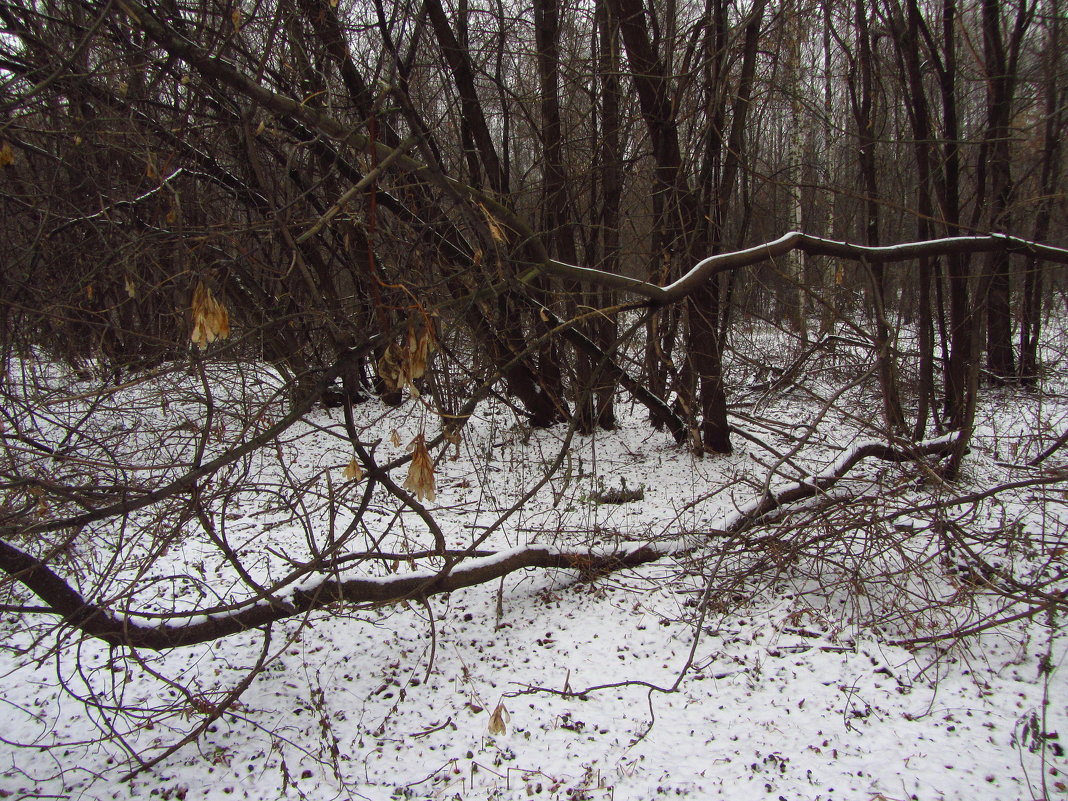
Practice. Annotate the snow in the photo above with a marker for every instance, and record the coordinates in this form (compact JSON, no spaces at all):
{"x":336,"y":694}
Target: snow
{"x":718,"y":671}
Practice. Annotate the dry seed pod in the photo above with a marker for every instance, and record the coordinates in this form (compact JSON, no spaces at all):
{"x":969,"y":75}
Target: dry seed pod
{"x":498,"y":720}
{"x":353,"y":471}
{"x":420,"y":346}
{"x":392,"y":368}
{"x":401,"y":364}
{"x":420,"y":480}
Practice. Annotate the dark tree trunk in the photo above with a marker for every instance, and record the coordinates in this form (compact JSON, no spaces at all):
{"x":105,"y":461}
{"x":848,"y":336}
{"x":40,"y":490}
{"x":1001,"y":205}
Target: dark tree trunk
{"x":1001,"y":88}
{"x":1056,"y":97}
{"x":557,"y":209}
{"x":611,"y":184}
{"x":865,"y":113}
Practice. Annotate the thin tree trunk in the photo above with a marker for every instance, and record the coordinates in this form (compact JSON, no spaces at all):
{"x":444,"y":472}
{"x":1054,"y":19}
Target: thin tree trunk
{"x":611,"y":174}
{"x":865,"y":112}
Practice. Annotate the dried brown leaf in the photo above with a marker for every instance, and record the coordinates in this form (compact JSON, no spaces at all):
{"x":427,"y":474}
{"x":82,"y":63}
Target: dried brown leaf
{"x":210,"y":318}
{"x":495,"y":229}
{"x":402,"y":363}
{"x":392,"y":368}
{"x":498,"y":720}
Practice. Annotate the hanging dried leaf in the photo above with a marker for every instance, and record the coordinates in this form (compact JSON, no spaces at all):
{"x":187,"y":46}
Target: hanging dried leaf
{"x":353,"y":471}
{"x":420,"y":346}
{"x":131,"y":287}
{"x":420,"y":480}
{"x":235,"y":17}
{"x":401,"y":364}
{"x":7,"y":155}
{"x":498,"y":720}
{"x":210,"y":318}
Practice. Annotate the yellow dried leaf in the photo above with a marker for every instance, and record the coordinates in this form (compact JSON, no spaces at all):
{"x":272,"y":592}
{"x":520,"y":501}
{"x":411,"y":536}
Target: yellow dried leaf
{"x":150,"y":169}
{"x":261,"y":127}
{"x":7,"y":155}
{"x":420,"y":480}
{"x":498,"y":720}
{"x":394,"y":438}
{"x":495,"y":229}
{"x":235,"y":17}
{"x":131,"y":287}
{"x":90,"y":291}
{"x":210,"y":318}
{"x":353,"y":471}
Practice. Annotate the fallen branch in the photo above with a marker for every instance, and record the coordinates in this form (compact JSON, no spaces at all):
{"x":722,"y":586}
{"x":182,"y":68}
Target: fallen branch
{"x":316,"y":592}
{"x":304,"y":592}
{"x":773,"y":500}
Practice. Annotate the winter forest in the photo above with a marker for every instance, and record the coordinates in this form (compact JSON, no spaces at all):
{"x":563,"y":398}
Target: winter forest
{"x":590,"y":399}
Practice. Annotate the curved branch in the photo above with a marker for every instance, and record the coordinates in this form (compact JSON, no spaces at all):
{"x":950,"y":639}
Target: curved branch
{"x":811,"y":245}
{"x":191,"y":476}
{"x":756,"y":511}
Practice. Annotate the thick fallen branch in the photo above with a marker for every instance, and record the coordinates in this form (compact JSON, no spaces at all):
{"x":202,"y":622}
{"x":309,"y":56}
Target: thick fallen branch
{"x":317,"y":590}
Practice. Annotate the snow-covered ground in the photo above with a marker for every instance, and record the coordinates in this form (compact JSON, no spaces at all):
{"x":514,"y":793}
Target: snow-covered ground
{"x":764,"y":671}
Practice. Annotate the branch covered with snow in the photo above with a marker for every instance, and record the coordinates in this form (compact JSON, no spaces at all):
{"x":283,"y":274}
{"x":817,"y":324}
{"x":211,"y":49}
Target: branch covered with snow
{"x":317,"y":590}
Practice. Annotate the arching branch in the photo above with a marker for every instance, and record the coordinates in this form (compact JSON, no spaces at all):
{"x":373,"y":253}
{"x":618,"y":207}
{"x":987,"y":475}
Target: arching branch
{"x":811,"y":245}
